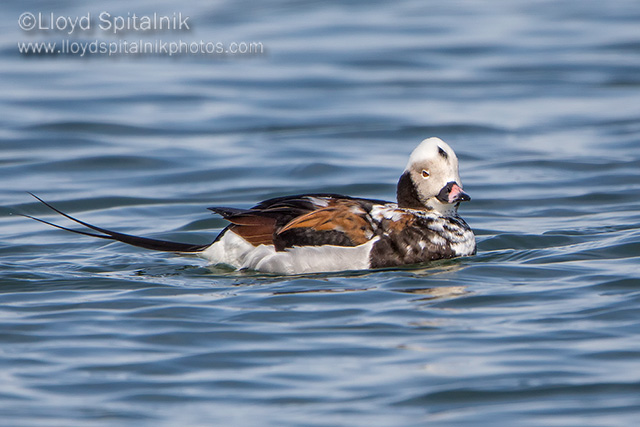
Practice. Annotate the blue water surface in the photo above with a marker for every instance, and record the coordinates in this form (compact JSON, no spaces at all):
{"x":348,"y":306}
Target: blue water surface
{"x":540,"y":100}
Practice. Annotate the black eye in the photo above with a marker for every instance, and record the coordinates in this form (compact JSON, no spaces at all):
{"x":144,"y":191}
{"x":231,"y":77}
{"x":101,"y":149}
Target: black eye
{"x":425,"y":173}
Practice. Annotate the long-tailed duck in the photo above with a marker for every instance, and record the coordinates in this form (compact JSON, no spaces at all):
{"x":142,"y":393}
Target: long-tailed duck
{"x":314,"y":233}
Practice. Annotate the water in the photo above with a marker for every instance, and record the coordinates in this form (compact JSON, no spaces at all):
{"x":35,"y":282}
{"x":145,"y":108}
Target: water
{"x":539,"y":99}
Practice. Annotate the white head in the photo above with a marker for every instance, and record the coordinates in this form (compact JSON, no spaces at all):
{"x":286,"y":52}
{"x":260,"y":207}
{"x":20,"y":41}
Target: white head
{"x":431,"y":180}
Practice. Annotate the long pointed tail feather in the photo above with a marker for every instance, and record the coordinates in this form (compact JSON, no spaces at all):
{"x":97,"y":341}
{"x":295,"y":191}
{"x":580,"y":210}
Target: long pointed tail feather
{"x":142,"y":242}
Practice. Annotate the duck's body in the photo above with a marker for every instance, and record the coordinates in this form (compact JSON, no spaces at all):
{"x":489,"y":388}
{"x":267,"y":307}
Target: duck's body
{"x":329,"y":232}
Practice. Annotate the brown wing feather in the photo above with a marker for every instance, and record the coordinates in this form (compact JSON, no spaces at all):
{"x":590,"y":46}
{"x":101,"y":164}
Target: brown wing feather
{"x":255,"y":229}
{"x":319,"y":220}
{"x":332,"y":216}
{"x":346,"y":217}
{"x":401,"y":222}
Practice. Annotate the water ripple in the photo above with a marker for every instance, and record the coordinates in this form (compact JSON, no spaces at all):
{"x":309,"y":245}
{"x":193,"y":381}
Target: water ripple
{"x":540,"y":328}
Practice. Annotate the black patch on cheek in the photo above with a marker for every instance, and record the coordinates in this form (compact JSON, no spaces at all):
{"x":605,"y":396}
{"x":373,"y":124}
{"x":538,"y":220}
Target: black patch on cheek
{"x":443,"y":153}
{"x":407,"y":194}
{"x":443,"y":195}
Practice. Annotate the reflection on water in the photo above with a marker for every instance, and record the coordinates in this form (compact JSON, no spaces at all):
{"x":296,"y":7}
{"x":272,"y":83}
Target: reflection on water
{"x":318,"y":291}
{"x":437,"y":293}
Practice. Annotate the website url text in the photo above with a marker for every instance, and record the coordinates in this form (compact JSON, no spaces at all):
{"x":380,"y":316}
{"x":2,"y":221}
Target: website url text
{"x":139,"y":47}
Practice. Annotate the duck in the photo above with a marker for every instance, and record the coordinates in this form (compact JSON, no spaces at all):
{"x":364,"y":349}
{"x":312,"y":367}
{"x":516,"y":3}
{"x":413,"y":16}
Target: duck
{"x":325,"y":232}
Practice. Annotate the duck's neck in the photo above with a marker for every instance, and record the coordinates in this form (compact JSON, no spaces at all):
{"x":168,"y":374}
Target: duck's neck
{"x":407,"y":194}
{"x":445,"y":209}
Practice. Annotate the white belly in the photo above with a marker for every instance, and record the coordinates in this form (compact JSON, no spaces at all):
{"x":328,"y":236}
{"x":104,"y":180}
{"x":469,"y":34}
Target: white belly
{"x":233,"y":250}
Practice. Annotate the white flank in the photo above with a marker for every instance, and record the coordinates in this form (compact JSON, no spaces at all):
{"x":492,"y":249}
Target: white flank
{"x":230,"y":249}
{"x":233,"y":250}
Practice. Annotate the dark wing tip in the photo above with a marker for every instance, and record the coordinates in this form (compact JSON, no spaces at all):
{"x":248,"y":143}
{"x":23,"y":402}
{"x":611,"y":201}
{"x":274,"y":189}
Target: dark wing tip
{"x":227,"y":212}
